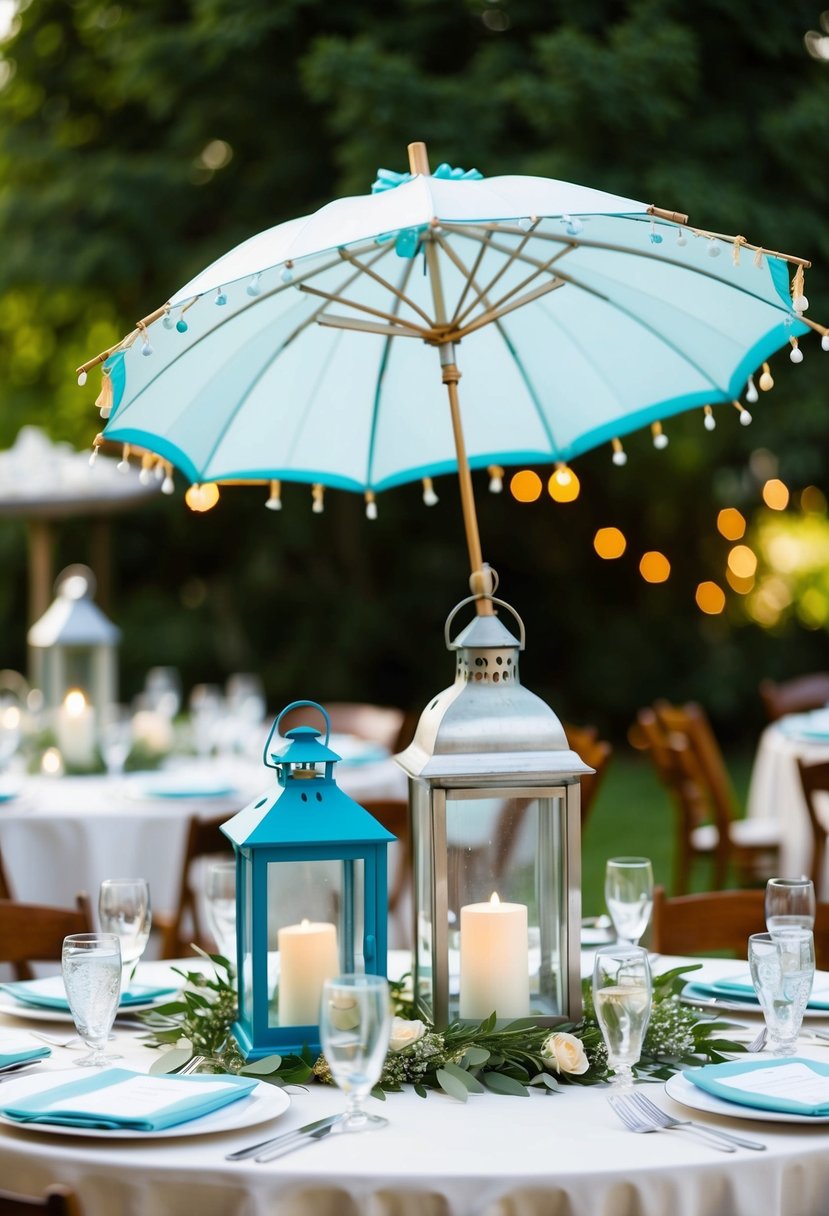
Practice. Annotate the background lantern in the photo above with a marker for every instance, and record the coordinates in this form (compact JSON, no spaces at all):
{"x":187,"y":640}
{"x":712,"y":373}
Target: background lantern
{"x":311,"y":894}
{"x":495,"y":803}
{"x":73,"y":660}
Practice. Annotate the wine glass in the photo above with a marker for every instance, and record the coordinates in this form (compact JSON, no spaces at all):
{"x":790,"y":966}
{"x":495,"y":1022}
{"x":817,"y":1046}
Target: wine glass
{"x":790,"y":904}
{"x":622,"y":1001}
{"x":91,"y":965}
{"x":162,"y":691}
{"x":220,"y":906}
{"x":628,"y":893}
{"x":116,"y":738}
{"x":782,"y":968}
{"x":124,"y":909}
{"x":355,"y":1024}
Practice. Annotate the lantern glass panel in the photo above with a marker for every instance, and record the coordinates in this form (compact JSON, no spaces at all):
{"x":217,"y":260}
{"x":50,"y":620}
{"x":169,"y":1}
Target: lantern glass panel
{"x":424,"y":880}
{"x":506,"y":867}
{"x":245,"y":986}
{"x":315,"y":930}
{"x":78,"y":664}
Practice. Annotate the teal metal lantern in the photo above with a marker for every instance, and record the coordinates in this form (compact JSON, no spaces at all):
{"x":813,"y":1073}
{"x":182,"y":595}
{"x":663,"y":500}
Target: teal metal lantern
{"x":311,"y":895}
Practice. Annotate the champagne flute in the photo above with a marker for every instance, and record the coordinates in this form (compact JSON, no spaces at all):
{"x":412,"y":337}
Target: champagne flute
{"x":622,"y":1001}
{"x":91,"y":966}
{"x":355,"y":1024}
{"x":790,"y":904}
{"x":124,"y":909}
{"x":628,"y":892}
{"x":782,"y":968}
{"x":220,"y":906}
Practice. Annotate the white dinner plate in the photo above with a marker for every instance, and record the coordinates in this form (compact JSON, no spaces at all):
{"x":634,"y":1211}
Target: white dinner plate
{"x":722,"y":1004}
{"x":41,"y":1013}
{"x":699,"y":1099}
{"x":180,"y":785}
{"x":262,"y":1104}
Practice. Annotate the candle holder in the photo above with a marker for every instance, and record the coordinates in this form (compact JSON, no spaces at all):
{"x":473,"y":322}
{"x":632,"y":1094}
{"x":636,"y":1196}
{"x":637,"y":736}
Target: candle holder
{"x":311,"y":893}
{"x":495,"y":803}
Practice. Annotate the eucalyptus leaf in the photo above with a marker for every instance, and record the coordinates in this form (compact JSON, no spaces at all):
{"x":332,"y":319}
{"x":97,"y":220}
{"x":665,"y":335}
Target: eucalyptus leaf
{"x":466,"y":1078}
{"x":258,"y":1068}
{"x":550,"y":1083}
{"x":474,"y":1057}
{"x":451,"y":1085}
{"x":170,"y":1061}
{"x":500,"y":1083}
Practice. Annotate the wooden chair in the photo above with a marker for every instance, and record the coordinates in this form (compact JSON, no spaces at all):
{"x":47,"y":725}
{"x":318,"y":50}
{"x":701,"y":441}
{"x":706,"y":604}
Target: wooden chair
{"x":797,"y":695}
{"x":814,"y":778}
{"x":204,"y":839}
{"x":56,"y":1201}
{"x":5,"y":888}
{"x":702,"y":924}
{"x":585,"y":742}
{"x":821,"y":931}
{"x":699,"y":780}
{"x":34,"y":933}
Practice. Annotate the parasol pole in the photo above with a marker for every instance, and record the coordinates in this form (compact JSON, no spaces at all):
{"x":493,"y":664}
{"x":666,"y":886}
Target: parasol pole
{"x":480,"y":578}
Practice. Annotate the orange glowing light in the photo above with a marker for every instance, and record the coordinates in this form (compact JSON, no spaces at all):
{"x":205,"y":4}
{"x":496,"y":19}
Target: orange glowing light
{"x":609,"y":543}
{"x":710,"y":598}
{"x":654,"y":567}
{"x":564,"y":485}
{"x":731,"y":524}
{"x":525,"y":486}
{"x":776,"y":494}
{"x":742,"y":561}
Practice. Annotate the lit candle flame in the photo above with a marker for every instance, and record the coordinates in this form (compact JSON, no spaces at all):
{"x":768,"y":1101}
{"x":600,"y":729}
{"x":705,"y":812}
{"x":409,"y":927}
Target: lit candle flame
{"x":494,"y":900}
{"x":75,"y":702}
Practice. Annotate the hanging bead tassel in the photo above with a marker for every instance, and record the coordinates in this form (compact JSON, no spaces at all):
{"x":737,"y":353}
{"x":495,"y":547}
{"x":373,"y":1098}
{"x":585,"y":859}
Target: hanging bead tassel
{"x":371,"y":505}
{"x":739,"y":241}
{"x":709,"y":421}
{"x":430,"y":498}
{"x":745,"y":416}
{"x":795,"y":354}
{"x":124,"y":463}
{"x":146,"y":474}
{"x":104,"y":399}
{"x":168,"y":486}
{"x":758,"y":257}
{"x":274,"y":502}
{"x":660,"y":439}
{"x":751,"y":391}
{"x":620,"y":456}
{"x":799,"y":301}
{"x":96,"y":443}
{"x":82,"y":377}
{"x":496,"y":479}
{"x":317,"y":491}
{"x":766,"y":382}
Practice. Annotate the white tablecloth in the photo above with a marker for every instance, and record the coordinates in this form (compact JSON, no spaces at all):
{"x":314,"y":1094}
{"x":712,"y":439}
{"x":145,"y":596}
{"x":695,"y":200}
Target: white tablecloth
{"x":63,"y":835}
{"x":566,"y":1155}
{"x":775,"y":792}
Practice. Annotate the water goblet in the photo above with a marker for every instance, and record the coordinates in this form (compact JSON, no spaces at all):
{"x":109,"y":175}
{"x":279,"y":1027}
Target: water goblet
{"x":124,"y":909}
{"x":91,"y":966}
{"x":782,"y":966}
{"x":628,"y":892}
{"x":220,"y":906}
{"x":115,"y":738}
{"x":790,"y":904}
{"x":622,"y":1001}
{"x":355,"y":1024}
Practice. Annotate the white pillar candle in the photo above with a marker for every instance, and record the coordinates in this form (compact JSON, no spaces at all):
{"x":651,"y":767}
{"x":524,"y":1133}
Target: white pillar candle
{"x":75,"y":730}
{"x":494,"y":970}
{"x":308,"y":955}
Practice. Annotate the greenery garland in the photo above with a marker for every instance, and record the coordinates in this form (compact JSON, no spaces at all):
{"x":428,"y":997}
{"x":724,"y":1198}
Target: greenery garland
{"x":460,"y":1060}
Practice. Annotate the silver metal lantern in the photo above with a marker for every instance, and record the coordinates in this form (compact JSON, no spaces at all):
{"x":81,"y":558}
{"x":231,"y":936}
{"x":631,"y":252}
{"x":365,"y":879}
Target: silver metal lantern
{"x":495,"y":804}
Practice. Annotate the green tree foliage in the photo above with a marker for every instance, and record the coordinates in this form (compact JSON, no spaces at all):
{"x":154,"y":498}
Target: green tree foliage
{"x":139,"y":142}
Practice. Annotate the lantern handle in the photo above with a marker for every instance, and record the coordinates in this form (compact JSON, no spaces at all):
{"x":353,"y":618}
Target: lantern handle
{"x":470,"y":599}
{"x":275,"y":728}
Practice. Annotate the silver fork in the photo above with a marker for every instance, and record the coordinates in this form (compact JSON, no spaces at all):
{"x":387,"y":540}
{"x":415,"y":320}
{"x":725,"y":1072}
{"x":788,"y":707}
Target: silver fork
{"x":651,"y":1111}
{"x":192,"y":1065}
{"x":637,"y":1122}
{"x":758,"y":1043}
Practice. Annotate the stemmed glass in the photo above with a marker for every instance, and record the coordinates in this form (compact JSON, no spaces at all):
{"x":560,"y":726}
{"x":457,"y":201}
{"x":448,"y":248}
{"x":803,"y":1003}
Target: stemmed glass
{"x":790,"y":904}
{"x":91,"y":965}
{"x":782,"y":968}
{"x":220,"y":906}
{"x":622,"y":1001}
{"x":124,"y":909}
{"x":116,"y":738}
{"x":355,"y":1024}
{"x":628,"y":893}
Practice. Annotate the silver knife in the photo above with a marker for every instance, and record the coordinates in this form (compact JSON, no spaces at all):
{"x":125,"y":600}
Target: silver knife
{"x":19,"y":1070}
{"x":300,"y":1133}
{"x":297,"y":1142}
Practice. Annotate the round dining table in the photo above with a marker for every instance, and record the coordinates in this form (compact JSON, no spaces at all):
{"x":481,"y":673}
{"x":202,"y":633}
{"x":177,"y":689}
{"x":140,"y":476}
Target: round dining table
{"x":564,"y":1154}
{"x":62,"y":835}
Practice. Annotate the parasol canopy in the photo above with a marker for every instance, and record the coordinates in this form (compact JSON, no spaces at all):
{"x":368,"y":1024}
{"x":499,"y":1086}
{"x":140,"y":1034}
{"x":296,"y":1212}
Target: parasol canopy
{"x":575,"y":317}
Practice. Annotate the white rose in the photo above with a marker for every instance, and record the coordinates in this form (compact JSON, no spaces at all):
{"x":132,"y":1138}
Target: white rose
{"x":563,"y":1052}
{"x":404,"y":1033}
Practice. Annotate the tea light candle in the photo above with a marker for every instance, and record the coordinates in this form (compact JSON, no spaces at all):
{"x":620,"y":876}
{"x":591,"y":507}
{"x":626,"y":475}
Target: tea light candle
{"x":308,"y":955}
{"x":494,"y":971}
{"x":75,"y":729}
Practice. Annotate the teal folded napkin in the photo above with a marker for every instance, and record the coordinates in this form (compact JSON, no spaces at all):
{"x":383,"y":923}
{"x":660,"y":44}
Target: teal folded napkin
{"x":789,"y":1084}
{"x":49,"y":993}
{"x":740,"y":988}
{"x":118,"y":1099}
{"x":16,"y":1047}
